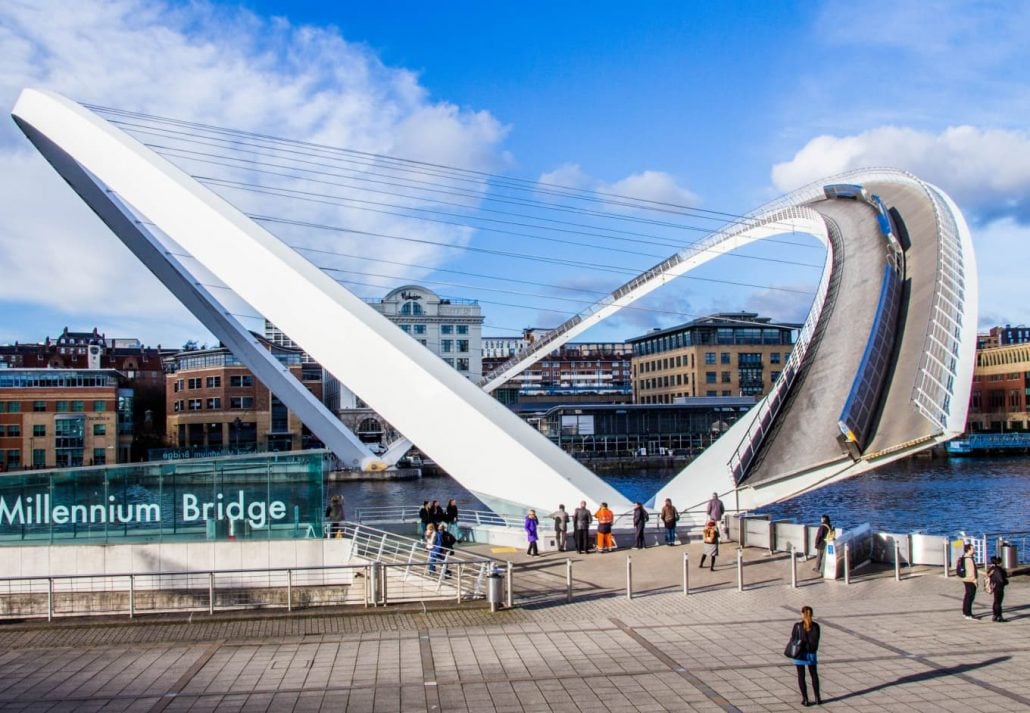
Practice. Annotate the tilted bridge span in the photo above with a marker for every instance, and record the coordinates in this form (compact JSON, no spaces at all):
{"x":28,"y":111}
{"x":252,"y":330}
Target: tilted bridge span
{"x":882,"y":367}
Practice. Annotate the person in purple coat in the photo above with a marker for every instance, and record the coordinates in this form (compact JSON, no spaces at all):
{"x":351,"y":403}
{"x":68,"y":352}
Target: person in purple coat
{"x":530,"y":526}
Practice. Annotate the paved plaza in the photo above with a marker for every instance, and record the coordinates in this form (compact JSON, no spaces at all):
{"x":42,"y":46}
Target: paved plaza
{"x":886,"y":645}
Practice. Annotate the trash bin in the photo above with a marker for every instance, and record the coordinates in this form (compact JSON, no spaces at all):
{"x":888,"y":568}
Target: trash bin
{"x":495,"y":590}
{"x":1009,"y":555}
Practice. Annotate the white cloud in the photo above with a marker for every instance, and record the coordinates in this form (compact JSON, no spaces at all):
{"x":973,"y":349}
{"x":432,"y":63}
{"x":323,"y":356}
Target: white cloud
{"x":212,"y":65}
{"x":1002,"y":249}
{"x":656,"y":186}
{"x":987,"y":171}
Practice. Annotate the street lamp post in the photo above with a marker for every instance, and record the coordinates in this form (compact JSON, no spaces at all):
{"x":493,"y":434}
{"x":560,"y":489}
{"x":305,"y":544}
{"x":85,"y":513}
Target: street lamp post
{"x":236,"y":424}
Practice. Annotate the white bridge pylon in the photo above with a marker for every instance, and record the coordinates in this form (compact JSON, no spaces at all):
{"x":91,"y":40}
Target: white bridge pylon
{"x":483,"y":445}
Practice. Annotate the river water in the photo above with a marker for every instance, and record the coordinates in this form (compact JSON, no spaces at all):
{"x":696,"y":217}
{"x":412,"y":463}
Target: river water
{"x":935,"y":496}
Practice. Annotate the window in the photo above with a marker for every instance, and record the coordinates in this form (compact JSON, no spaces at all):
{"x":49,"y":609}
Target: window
{"x":99,"y":429}
{"x":774,"y":375}
{"x":726,"y":393}
{"x":13,"y":459}
{"x":214,"y":382}
{"x":39,"y":406}
{"x":62,"y":406}
{"x":411,"y":308}
{"x":679,"y":361}
{"x":446,"y":329}
{"x":725,"y":377}
{"x":194,"y":383}
{"x":463,"y":329}
{"x":450,"y":362}
{"x":78,"y":406}
{"x":178,"y":406}
{"x":709,"y":357}
{"x":774,"y":357}
{"x":240,"y":381}
{"x":193,"y":404}
{"x":241,"y":402}
{"x":99,"y":456}
{"x":463,"y":346}
{"x":710,"y":378}
{"x":420,"y":329}
{"x":12,"y":406}
{"x":179,"y":385}
{"x":724,"y":357}
{"x":38,"y":458}
{"x":710,"y":393}
{"x":99,"y":405}
{"x":38,"y":429}
{"x":14,"y":431}
{"x":406,"y":328}
{"x":462,"y":364}
{"x":446,"y":345}
{"x":214,"y":403}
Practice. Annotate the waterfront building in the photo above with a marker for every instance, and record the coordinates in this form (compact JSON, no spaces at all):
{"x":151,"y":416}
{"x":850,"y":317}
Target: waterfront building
{"x":587,"y":372}
{"x":215,"y":403}
{"x":725,"y":354}
{"x":1003,"y":336}
{"x":451,"y":328}
{"x":684,"y":428}
{"x":998,"y":401}
{"x":63,"y":418}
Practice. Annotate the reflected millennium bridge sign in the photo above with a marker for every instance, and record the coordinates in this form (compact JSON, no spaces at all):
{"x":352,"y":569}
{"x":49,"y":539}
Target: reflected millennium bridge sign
{"x":261,"y":496}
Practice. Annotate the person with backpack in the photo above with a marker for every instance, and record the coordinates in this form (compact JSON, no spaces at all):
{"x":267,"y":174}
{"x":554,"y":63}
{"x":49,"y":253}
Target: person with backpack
{"x":670,"y":516}
{"x":447,"y":542}
{"x":965,"y":568}
{"x":640,"y":518}
{"x":996,"y":581}
{"x":711,"y":541}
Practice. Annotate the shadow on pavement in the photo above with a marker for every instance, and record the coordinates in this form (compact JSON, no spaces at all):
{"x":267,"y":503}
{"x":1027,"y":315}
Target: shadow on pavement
{"x":919,"y":677}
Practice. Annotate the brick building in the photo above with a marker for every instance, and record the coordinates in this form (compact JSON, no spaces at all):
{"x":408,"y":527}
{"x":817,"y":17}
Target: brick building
{"x":725,"y":354}
{"x":1000,"y":394}
{"x":214,"y":402}
{"x":63,"y":418}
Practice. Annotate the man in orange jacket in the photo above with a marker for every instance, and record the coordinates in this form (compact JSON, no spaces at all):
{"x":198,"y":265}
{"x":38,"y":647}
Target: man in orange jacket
{"x":605,"y":518}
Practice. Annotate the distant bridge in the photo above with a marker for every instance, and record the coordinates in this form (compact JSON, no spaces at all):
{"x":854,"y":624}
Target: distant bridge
{"x":882,"y":367}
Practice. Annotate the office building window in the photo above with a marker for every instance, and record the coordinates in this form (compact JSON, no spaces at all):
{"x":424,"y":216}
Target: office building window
{"x":194,"y":404}
{"x":420,"y":329}
{"x":774,"y":357}
{"x":446,"y":329}
{"x":38,"y":458}
{"x":241,"y":381}
{"x":463,"y":346}
{"x":39,"y":406}
{"x":99,"y":429}
{"x":462,"y":364}
{"x":710,"y":378}
{"x":99,"y":405}
{"x":449,"y":362}
{"x":411,"y":308}
{"x":241,"y":402}
{"x":14,"y":431}
{"x":709,"y":357}
{"x":725,"y":377}
{"x":406,"y":328}
{"x":213,"y":382}
{"x":214,"y":403}
{"x":62,"y":406}
{"x":78,"y":406}
{"x":463,"y":329}
{"x":726,"y":393}
{"x":99,"y":456}
{"x":38,"y":429}
{"x":446,"y":345}
{"x":10,"y":406}
{"x":13,"y":459}
{"x":724,"y":357}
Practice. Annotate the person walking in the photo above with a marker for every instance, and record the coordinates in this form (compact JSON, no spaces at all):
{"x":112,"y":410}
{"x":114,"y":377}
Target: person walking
{"x":806,"y":632}
{"x":965,"y":568}
{"x":670,"y":516}
{"x":334,"y":513}
{"x":640,"y":518}
{"x":605,"y":518}
{"x":823,"y":535}
{"x":711,"y":544}
{"x":434,"y":546}
{"x":435,"y":512}
{"x":715,"y":509}
{"x":561,"y":527}
{"x":581,"y":519}
{"x":997,"y":580}
{"x":530,"y":526}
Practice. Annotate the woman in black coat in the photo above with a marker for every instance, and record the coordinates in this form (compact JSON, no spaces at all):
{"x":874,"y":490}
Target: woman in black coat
{"x":807,"y":632}
{"x":999,"y":579}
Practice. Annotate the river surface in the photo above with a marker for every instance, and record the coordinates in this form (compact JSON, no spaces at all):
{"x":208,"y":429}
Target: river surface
{"x":935,"y":496}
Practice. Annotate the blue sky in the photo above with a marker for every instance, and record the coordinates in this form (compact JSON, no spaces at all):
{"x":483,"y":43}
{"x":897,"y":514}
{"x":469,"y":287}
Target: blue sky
{"x":721,"y":105}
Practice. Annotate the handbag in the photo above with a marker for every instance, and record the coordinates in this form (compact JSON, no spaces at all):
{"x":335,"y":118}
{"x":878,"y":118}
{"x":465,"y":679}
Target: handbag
{"x":795,"y":647}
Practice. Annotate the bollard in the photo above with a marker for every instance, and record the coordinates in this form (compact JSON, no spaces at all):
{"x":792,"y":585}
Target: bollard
{"x":568,"y":580}
{"x":793,"y":567}
{"x":740,"y":569}
{"x":897,"y":561}
{"x":629,"y":578}
{"x":686,"y":574}
{"x":947,"y":556}
{"x":508,"y":595}
{"x":847,"y":563}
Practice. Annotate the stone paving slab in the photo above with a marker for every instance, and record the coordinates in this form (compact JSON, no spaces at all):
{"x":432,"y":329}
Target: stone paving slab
{"x":886,"y":645}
